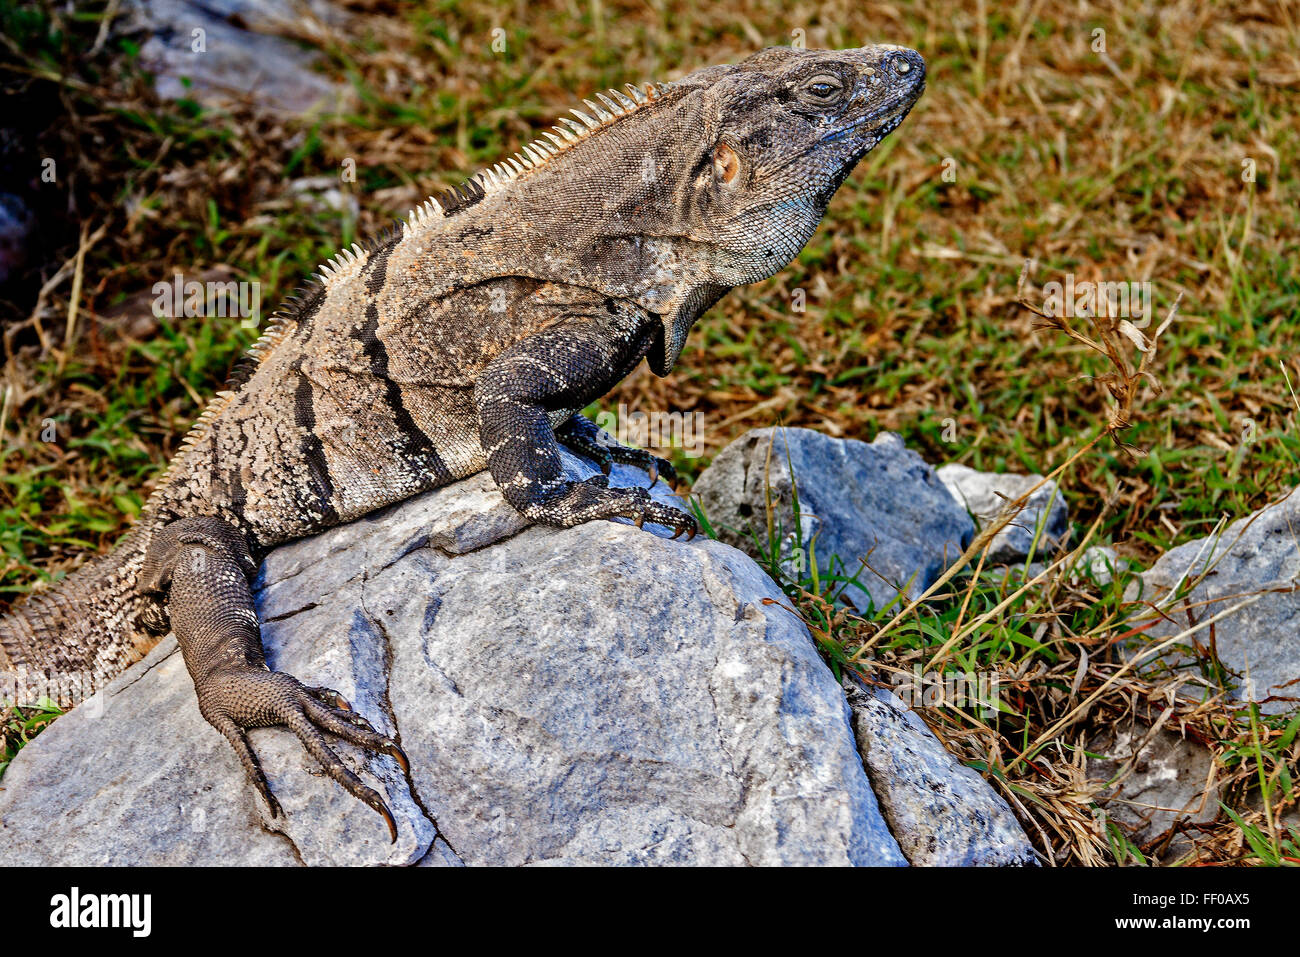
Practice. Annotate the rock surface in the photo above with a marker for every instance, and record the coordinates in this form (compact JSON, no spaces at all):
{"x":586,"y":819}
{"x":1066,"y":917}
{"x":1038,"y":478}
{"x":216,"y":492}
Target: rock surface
{"x":879,"y":502}
{"x":985,"y":494}
{"x":942,"y":812}
{"x":1258,"y":553}
{"x":590,"y":695}
{"x":1161,"y":779}
{"x":220,"y":51}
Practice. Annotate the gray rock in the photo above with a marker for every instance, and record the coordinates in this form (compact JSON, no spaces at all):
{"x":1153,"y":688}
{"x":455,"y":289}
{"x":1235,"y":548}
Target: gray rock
{"x":248,"y":52}
{"x":1098,"y":563}
{"x":589,"y":695}
{"x":879,"y":502}
{"x":17,"y":224}
{"x":1160,"y":779}
{"x":978,"y":492}
{"x":942,"y":812}
{"x":1258,"y":553}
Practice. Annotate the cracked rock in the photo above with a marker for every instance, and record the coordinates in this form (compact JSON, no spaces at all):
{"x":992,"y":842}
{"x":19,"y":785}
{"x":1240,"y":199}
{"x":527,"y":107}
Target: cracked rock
{"x":942,"y":812}
{"x":594,"y":695}
{"x":1255,"y":563}
{"x":1160,"y":782}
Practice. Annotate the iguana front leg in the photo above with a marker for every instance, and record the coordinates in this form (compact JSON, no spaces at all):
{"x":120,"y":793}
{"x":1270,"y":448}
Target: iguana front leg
{"x":562,"y":367}
{"x":201,"y":568}
{"x":584,"y":437}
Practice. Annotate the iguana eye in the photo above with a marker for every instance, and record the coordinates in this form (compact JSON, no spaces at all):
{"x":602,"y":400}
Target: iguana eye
{"x":824,"y":88}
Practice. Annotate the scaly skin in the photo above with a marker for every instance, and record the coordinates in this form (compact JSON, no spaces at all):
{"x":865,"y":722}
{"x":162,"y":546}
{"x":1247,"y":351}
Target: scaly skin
{"x":469,"y":339}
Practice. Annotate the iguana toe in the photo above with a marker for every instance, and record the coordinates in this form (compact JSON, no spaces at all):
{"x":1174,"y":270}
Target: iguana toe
{"x":636,"y":504}
{"x":330,"y":697}
{"x":654,"y":466}
{"x":669,"y":517}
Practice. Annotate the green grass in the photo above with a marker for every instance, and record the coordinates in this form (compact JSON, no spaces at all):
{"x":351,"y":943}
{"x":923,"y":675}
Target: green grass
{"x":19,"y":725}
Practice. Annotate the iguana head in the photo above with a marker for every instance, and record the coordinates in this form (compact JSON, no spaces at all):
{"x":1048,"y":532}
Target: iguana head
{"x":781,"y":131}
{"x":758,"y":150}
{"x":733,"y":165}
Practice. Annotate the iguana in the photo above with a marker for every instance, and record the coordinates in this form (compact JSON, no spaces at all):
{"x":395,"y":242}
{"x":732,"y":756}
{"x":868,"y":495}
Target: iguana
{"x":468,"y":338}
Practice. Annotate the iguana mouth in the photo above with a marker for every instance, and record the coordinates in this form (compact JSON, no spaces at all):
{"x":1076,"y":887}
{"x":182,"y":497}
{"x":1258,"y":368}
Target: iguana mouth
{"x":889,"y":117}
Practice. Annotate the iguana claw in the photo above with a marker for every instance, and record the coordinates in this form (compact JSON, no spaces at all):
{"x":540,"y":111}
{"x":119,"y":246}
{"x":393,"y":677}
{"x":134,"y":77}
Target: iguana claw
{"x":388,"y":819}
{"x":583,"y":437}
{"x":395,"y":750}
{"x":329,"y":696}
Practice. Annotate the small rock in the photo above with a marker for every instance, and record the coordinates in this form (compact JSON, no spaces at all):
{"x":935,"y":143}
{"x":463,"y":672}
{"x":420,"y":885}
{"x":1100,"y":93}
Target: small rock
{"x":879,"y":502}
{"x":222,"y":51}
{"x":321,"y":194}
{"x":941,"y":812}
{"x":985,"y":494}
{"x":1255,"y":555}
{"x":1098,"y":564}
{"x":1172,"y":780}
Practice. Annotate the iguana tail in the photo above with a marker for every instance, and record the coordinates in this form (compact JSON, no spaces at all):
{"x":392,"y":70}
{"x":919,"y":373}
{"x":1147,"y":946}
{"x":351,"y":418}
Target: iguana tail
{"x":67,"y":643}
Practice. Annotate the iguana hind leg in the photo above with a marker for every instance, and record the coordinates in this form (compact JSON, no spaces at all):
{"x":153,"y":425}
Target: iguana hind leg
{"x":583,"y":436}
{"x":562,"y":367}
{"x":201,"y":568}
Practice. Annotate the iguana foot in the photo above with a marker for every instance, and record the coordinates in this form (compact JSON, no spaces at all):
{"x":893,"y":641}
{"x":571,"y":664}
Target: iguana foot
{"x":201,"y":568}
{"x":584,"y":437}
{"x":579,"y":502}
{"x":237,"y":699}
{"x":554,"y":369}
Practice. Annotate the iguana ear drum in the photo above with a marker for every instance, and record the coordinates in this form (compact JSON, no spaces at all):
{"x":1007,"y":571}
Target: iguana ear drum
{"x":726,"y":164}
